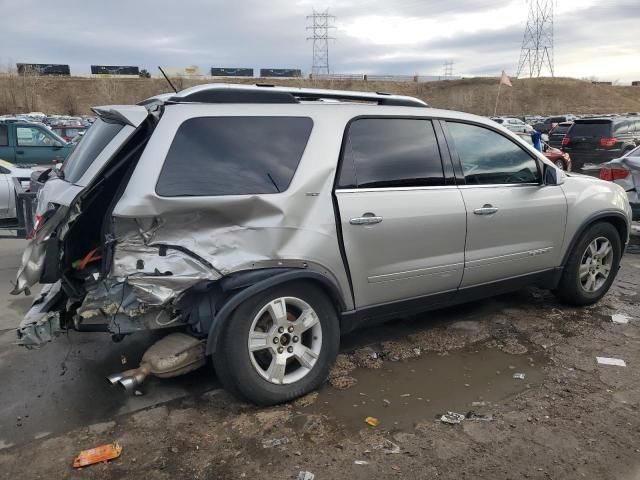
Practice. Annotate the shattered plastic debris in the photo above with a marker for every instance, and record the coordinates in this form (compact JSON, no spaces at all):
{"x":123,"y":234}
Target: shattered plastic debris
{"x":519,"y":376}
{"x":274,"y":442}
{"x":616,"y":362}
{"x":361,"y":462}
{"x":478,"y":417}
{"x":389,"y":447}
{"x":373,"y":421}
{"x":304,"y":475}
{"x":452,"y":418}
{"x":97,"y":455}
{"x":621,"y":318}
{"x":478,"y":404}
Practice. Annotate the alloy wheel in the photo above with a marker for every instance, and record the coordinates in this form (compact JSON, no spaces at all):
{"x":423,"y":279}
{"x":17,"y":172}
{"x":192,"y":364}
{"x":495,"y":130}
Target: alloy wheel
{"x":596,"y":264}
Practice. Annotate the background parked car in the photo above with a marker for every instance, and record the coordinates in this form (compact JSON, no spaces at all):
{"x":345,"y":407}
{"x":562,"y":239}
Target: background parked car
{"x":9,"y":171}
{"x":625,"y":171}
{"x":549,"y":123}
{"x":557,"y":133}
{"x":559,"y":158}
{"x":68,"y":132}
{"x":593,"y":141}
{"x":31,"y":144}
{"x":514,"y":124}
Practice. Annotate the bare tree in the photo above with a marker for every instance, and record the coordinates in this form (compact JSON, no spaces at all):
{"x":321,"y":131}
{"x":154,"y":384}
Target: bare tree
{"x":109,"y":90}
{"x":70,"y":103}
{"x":10,"y":91}
{"x":30,"y":80}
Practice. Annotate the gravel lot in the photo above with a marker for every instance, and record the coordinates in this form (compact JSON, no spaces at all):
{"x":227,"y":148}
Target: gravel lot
{"x":568,"y":418}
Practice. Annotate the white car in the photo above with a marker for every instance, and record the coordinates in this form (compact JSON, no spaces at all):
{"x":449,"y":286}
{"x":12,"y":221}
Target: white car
{"x":8,"y":171}
{"x":514,"y":124}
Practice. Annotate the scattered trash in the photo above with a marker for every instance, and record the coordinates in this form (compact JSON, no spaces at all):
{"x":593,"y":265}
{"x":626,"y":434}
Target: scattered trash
{"x":478,"y":404}
{"x":478,"y":417}
{"x":616,"y":362}
{"x":138,"y":393}
{"x":97,"y":455}
{"x":452,"y":418}
{"x":620,"y":318}
{"x":123,"y":359}
{"x":389,"y":447}
{"x":386,"y":402}
{"x":519,"y":376}
{"x":304,"y":475}
{"x":373,"y":421}
{"x":274,"y":442}
{"x":417,"y":351}
{"x":374,"y":355}
{"x":405,"y":395}
{"x":361,"y":462}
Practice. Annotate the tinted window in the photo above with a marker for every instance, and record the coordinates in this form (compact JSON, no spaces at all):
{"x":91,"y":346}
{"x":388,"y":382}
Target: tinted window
{"x":4,"y":135}
{"x":391,"y":152}
{"x":591,"y":129}
{"x":560,"y":129}
{"x":489,"y":158}
{"x":83,"y":155}
{"x":233,"y":156}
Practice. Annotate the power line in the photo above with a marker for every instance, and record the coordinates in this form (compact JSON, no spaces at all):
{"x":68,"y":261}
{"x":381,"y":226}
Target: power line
{"x":321,"y":23}
{"x":448,"y":69}
{"x":536,"y":55}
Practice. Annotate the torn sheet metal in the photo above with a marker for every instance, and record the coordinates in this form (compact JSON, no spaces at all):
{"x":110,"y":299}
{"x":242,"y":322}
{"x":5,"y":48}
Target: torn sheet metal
{"x":39,"y":325}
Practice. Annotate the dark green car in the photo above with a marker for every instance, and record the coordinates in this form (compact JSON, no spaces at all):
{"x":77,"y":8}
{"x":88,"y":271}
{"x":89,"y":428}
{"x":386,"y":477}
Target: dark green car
{"x":24,"y":143}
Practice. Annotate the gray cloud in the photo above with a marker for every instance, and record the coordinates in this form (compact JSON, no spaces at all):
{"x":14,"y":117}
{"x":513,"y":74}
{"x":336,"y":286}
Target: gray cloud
{"x":253,"y":33}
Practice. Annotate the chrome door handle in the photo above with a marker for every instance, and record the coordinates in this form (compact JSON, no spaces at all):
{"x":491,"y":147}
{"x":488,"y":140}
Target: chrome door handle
{"x":366,"y":219}
{"x":486,"y":209}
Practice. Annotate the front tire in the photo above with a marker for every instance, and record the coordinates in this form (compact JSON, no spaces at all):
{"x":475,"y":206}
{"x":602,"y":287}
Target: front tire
{"x":592,"y":265}
{"x":278,"y":345}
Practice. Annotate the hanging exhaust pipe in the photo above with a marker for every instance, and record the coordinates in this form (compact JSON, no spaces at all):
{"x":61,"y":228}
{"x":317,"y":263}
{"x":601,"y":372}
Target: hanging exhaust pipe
{"x":173,"y":355}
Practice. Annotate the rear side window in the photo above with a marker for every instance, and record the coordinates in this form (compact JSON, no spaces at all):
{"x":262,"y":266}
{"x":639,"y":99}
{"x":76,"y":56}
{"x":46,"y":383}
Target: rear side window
{"x":591,"y":129}
{"x":233,"y":156}
{"x":4,"y":135}
{"x":391,"y":152}
{"x":85,"y":152}
{"x":488,"y":158}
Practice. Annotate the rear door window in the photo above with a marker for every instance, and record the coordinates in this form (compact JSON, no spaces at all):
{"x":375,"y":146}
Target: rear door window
{"x":391,"y":152}
{"x":4,"y":135}
{"x":85,"y":152}
{"x":488,"y":158}
{"x":212,"y":156}
{"x":591,"y":129}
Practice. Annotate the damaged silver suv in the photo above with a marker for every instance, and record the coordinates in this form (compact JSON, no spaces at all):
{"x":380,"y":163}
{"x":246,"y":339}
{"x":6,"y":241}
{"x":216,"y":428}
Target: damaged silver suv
{"x":255,"y":224}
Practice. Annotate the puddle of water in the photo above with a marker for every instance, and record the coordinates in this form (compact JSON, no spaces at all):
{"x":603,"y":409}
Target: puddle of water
{"x":402,"y":394}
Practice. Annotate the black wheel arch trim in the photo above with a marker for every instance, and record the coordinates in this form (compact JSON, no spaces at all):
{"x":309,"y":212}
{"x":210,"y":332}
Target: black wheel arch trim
{"x":246,"y":284}
{"x":603,"y":215}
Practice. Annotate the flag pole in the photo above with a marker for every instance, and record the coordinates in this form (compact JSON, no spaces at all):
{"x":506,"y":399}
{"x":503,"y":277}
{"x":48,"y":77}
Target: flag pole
{"x":495,"y":110}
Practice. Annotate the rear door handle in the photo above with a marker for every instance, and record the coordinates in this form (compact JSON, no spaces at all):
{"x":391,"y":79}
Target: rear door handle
{"x":366,"y":219}
{"x":487,"y":209}
{"x":20,"y":152}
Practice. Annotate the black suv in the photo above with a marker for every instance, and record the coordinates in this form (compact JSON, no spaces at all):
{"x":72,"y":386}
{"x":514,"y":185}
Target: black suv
{"x":549,"y":123}
{"x":598,"y":140}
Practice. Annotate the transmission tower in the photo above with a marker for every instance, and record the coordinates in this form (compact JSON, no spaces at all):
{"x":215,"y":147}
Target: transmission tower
{"x":448,"y":69}
{"x":321,"y":24}
{"x":536,"y":55}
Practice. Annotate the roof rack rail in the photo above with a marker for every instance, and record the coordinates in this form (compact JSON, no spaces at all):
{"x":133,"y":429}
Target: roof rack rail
{"x":266,"y":93}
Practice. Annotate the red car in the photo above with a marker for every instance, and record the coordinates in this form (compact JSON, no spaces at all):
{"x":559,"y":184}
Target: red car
{"x":558,"y":157}
{"x":68,"y":132}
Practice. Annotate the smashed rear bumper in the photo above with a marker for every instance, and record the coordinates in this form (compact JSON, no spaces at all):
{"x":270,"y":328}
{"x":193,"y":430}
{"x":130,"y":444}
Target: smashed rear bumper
{"x":40,"y":325}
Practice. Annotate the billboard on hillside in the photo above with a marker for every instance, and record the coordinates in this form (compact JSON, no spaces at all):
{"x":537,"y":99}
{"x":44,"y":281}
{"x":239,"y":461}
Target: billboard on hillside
{"x":112,"y":70}
{"x":231,"y":72}
{"x":280,"y":72}
{"x":43,"y":69}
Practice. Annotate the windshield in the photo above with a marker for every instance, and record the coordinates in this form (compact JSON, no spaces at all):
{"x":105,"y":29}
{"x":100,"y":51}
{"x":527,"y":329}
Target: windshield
{"x":93,"y":142}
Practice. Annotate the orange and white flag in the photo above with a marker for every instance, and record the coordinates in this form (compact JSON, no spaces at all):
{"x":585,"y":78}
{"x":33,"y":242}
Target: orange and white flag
{"x":504,"y":79}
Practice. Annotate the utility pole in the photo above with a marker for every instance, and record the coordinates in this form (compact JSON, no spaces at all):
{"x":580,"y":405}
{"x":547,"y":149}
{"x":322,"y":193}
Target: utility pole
{"x":536,"y":55}
{"x":448,"y":69}
{"x":321,"y":24}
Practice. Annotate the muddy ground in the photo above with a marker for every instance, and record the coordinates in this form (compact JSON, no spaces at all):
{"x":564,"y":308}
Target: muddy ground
{"x":567,"y":418}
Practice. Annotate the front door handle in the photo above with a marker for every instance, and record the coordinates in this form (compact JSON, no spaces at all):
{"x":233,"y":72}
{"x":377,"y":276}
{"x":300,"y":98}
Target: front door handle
{"x":487,"y":209}
{"x":366,"y":219}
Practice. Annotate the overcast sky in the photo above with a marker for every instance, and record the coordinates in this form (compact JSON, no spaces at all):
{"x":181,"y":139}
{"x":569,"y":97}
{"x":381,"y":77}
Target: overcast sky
{"x":598,"y":38}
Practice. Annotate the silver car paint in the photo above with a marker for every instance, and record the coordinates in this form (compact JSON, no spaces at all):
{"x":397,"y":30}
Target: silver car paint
{"x":631,"y":183}
{"x":217,"y":236}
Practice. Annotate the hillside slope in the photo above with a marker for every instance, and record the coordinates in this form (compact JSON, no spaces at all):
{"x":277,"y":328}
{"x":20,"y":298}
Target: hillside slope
{"x":541,"y":96}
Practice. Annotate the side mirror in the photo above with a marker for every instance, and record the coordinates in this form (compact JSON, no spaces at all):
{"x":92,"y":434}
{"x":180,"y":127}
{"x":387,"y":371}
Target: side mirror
{"x":552,"y":175}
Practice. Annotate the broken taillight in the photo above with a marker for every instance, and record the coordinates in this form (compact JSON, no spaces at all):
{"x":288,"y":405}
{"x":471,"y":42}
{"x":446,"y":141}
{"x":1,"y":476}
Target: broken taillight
{"x":565,"y":141}
{"x":36,"y":226}
{"x":608,"y":142}
{"x":615,"y":173}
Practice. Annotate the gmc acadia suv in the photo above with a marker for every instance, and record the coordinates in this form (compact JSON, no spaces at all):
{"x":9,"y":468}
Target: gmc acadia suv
{"x":258,"y":223}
